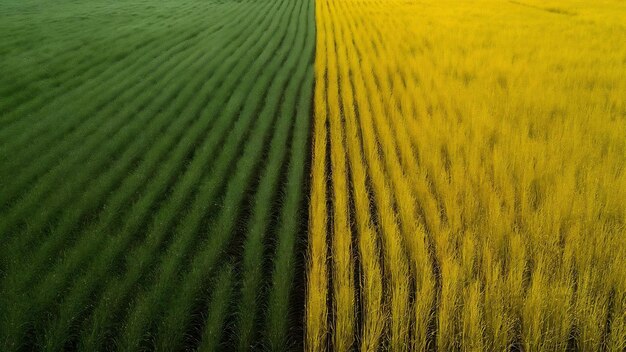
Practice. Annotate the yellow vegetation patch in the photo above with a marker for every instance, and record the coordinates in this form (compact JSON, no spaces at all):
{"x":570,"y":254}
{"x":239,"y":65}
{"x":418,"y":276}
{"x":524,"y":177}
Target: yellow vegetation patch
{"x":468,"y":182}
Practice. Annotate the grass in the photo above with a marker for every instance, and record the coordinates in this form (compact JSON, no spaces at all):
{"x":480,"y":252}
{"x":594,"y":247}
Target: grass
{"x":477,"y":151}
{"x":117,"y":169}
{"x":464,"y":189}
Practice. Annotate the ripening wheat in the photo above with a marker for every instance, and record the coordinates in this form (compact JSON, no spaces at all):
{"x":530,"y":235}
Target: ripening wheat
{"x":468,"y":176}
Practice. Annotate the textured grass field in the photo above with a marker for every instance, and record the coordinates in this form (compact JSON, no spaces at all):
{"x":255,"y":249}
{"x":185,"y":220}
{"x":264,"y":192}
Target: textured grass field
{"x":320,"y":175}
{"x":153,"y":169}
{"x":468,"y":176}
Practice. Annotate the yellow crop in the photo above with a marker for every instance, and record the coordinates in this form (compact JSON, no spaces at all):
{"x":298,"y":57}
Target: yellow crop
{"x":468,"y":176}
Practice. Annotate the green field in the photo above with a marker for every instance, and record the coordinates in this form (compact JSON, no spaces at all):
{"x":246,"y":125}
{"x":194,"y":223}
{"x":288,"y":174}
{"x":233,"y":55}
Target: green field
{"x":153,"y":173}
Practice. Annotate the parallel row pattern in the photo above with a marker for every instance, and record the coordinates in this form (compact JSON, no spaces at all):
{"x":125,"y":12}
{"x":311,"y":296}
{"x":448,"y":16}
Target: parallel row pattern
{"x":152,"y":170}
{"x":468,"y":178}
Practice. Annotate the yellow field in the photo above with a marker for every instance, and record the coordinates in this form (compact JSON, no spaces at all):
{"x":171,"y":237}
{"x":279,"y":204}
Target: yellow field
{"x":468,"y":181}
